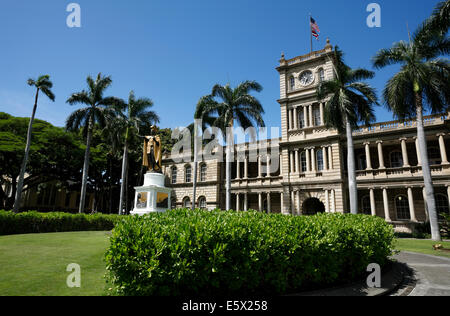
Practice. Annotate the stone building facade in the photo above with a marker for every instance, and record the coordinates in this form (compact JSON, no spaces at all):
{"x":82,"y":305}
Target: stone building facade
{"x":312,"y":175}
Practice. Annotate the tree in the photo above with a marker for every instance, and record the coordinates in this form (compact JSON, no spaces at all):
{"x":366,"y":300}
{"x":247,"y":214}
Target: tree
{"x":439,"y":22}
{"x":235,"y":105}
{"x":44,"y":85}
{"x":349,"y":102}
{"x":135,"y":115}
{"x":421,"y":84}
{"x":98,"y":109}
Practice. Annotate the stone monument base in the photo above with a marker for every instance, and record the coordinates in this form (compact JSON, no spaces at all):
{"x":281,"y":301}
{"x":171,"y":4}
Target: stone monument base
{"x":153,"y":196}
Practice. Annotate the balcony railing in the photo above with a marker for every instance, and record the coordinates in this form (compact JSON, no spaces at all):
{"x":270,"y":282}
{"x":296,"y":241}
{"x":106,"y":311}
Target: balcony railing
{"x":436,"y":170}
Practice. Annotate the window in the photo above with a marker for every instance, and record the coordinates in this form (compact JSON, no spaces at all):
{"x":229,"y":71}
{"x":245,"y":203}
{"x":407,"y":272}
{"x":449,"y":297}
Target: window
{"x":203,"y":170}
{"x":174,"y":175}
{"x":319,"y":156}
{"x":187,"y":202}
{"x":402,"y":207}
{"x":291,"y":83}
{"x":188,"y":174}
{"x":321,"y":75}
{"x":434,"y":156}
{"x":202,"y":203}
{"x":442,"y":206}
{"x":365,"y":205}
{"x":301,"y":119}
{"x":396,"y":159}
{"x":316,"y":115}
{"x":303,"y":162}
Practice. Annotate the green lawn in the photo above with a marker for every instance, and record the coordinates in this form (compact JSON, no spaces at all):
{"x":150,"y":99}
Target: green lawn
{"x":35,"y":265}
{"x":422,"y":246}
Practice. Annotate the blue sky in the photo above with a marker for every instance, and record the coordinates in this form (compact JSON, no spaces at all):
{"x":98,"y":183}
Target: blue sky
{"x":175,"y":51}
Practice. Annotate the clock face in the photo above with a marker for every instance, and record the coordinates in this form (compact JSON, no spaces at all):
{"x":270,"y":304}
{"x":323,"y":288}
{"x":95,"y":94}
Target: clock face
{"x":306,"y":78}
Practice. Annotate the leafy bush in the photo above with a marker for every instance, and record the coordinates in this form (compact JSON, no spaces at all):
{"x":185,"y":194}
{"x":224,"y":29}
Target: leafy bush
{"x":34,"y":222}
{"x":184,"y":252}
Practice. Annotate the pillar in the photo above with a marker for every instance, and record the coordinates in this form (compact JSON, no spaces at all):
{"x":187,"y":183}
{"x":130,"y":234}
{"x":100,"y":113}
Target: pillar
{"x":297,"y":165}
{"x":238,"y":205}
{"x":260,"y":205}
{"x":322,"y":122}
{"x":404,"y":153}
{"x":259,"y":167}
{"x":246,"y":202}
{"x":269,"y":206}
{"x":291,"y":161}
{"x":305,"y":114}
{"x":387,"y":215}
{"x":238,"y":168}
{"x":327,"y":202}
{"x":313,"y":159}
{"x":380,"y":154}
{"x":372,"y":202}
{"x":325,"y":158}
{"x":330,"y":158}
{"x":368,"y":158}
{"x":333,"y":201}
{"x":246,"y":167}
{"x":268,"y":166}
{"x":311,"y":121}
{"x":308,"y":160}
{"x":289,"y":119}
{"x":412,"y":210}
{"x":425,"y":203}
{"x":295,"y":117}
{"x":419,"y":158}
{"x":442,"y":149}
{"x":299,"y":211}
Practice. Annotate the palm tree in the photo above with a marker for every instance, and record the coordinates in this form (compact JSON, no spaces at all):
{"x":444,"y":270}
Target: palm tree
{"x":349,"y":102}
{"x":135,"y":115}
{"x":43,"y":84}
{"x":237,"y":105}
{"x":98,"y":109}
{"x":440,"y":20}
{"x":421,"y":84}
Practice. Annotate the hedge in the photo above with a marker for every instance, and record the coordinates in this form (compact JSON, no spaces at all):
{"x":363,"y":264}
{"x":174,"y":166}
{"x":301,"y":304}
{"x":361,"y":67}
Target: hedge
{"x":34,"y":222}
{"x":184,"y":252}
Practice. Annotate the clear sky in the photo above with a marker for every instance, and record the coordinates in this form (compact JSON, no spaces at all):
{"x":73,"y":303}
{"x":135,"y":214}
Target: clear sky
{"x":175,"y":51}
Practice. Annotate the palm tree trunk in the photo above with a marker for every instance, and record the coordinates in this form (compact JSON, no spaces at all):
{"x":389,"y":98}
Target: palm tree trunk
{"x":229,"y":143}
{"x":352,"y":188}
{"x":23,"y":168}
{"x":431,"y":202}
{"x":86,"y":167}
{"x":124,"y":170}
{"x":195,"y":168}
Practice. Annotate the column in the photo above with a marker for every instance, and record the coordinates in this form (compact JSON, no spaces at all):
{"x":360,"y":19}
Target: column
{"x":238,"y":205}
{"x":412,"y":210}
{"x":305,"y":114}
{"x":238,"y":168}
{"x":327,"y":202}
{"x":297,"y":166}
{"x":269,"y":206}
{"x":308,"y":160}
{"x":281,"y":164}
{"x":404,"y":153}
{"x":268,"y":166}
{"x":246,"y":202}
{"x":387,"y":216}
{"x":322,"y":122}
{"x":313,"y":159}
{"x":333,"y":201}
{"x":419,"y":158}
{"x":425,"y":203}
{"x":299,"y":211}
{"x":293,"y":210}
{"x":368,"y":158}
{"x":260,"y":205}
{"x":259,"y":167}
{"x":330,"y":158}
{"x":246,"y":167}
{"x":443,"y":150}
{"x":380,"y":154}
{"x":372,"y":202}
{"x":311,"y":121}
{"x":291,"y":161}
{"x":289,"y":119}
{"x":295,"y":118}
{"x":325,"y":159}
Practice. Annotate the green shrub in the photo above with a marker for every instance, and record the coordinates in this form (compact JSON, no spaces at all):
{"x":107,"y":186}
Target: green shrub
{"x":34,"y":222}
{"x":184,"y":252}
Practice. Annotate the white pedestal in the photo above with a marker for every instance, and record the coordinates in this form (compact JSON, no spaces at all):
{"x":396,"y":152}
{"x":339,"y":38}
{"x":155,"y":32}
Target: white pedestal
{"x":153,"y":196}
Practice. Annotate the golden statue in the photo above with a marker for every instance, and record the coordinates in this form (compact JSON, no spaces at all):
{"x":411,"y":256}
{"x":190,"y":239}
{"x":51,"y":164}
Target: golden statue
{"x":152,"y":152}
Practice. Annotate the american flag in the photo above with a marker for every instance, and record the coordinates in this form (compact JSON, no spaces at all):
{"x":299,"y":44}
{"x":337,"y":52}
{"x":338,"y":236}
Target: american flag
{"x":315,"y":29}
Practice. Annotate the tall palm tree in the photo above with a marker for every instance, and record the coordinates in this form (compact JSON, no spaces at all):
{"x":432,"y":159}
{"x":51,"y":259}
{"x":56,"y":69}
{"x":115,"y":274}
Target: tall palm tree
{"x":421,"y":84}
{"x":135,"y":115}
{"x":236,"y":105}
{"x":440,"y":19}
{"x":98,"y":110}
{"x":44,"y":85}
{"x":349,"y":102}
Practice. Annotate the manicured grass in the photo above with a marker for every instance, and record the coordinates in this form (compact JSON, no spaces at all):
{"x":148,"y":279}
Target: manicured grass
{"x":422,"y":246}
{"x":35,"y":264}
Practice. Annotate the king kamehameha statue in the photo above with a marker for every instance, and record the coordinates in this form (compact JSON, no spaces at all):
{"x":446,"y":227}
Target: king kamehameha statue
{"x":153,"y":196}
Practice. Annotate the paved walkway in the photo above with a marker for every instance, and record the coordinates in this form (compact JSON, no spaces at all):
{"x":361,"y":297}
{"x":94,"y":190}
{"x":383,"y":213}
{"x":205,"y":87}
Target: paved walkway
{"x":432,"y":274}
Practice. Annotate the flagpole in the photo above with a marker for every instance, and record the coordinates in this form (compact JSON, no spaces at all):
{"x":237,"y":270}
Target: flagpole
{"x":310,"y":32}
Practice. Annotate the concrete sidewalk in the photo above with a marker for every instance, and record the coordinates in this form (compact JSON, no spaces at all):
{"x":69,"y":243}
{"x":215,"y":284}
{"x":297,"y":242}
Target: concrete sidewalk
{"x":431,"y":275}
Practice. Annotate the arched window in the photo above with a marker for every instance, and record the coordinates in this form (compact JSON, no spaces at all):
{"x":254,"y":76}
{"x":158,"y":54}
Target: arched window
{"x":291,"y":83}
{"x":321,"y":75}
{"x":396,"y":159}
{"x":434,"y":156}
{"x":442,"y":206}
{"x":174,"y":175}
{"x":402,"y":207}
{"x":301,"y":119}
{"x":188,"y":174}
{"x":319,"y":156}
{"x":187,"y":202}
{"x":203,"y":170}
{"x":303,"y":161}
{"x":365,"y":205}
{"x":202,"y":203}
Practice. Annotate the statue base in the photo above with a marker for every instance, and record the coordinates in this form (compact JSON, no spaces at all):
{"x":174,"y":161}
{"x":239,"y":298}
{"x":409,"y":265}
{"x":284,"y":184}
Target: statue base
{"x":153,"y":196}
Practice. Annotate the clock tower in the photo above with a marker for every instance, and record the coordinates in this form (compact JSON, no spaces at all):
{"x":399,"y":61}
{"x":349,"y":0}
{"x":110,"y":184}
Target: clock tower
{"x":311,"y":153}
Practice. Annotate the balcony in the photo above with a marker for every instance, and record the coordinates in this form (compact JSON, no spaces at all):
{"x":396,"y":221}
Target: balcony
{"x":404,"y":172}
